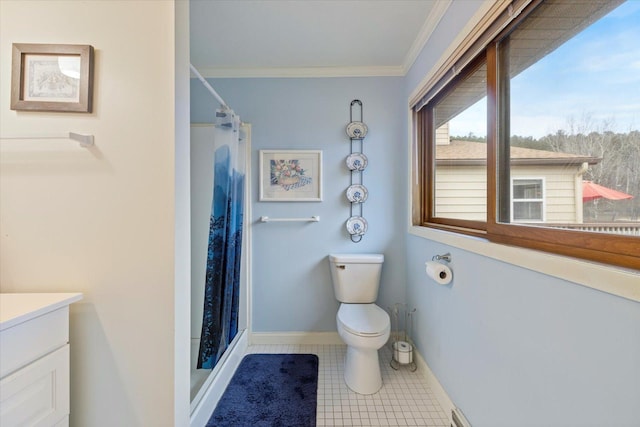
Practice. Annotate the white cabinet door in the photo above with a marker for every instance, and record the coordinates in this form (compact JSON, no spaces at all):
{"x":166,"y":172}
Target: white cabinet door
{"x":38,"y":394}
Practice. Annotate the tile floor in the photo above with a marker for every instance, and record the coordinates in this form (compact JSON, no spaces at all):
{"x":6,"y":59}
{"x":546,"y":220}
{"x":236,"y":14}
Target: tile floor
{"x":404,"y":400}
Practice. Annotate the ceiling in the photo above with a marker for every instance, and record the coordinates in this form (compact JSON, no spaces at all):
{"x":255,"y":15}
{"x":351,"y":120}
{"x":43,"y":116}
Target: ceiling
{"x":258,"y":38}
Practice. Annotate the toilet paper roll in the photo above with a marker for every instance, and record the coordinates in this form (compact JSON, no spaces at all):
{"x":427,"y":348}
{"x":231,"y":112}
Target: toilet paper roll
{"x":402,"y":352}
{"x":439,"y":272}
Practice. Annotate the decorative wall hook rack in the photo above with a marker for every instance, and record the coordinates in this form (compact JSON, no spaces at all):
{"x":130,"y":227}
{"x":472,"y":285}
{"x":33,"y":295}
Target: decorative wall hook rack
{"x":357,"y":193}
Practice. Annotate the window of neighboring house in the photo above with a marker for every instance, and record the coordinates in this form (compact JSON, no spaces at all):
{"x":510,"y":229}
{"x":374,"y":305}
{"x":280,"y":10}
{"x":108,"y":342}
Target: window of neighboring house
{"x":550,"y":89}
{"x":528,"y":200}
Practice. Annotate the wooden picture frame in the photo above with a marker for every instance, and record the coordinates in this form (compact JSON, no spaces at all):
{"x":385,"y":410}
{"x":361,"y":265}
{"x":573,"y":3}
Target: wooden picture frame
{"x":52,"y":77}
{"x":290,"y":175}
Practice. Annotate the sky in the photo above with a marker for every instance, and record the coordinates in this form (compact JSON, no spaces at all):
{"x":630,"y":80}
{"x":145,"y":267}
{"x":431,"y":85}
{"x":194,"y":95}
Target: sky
{"x":592,"y":81}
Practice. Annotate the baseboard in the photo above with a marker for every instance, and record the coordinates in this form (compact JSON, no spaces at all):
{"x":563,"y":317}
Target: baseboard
{"x":299,"y":338}
{"x":219,"y":379}
{"x":443,"y":398}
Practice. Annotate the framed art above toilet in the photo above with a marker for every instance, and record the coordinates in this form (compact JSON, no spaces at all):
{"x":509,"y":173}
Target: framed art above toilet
{"x":290,"y":175}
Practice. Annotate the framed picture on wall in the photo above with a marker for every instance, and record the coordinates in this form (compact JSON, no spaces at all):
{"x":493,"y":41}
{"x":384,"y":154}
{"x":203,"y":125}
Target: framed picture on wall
{"x":52,"y":77}
{"x":290,"y":175}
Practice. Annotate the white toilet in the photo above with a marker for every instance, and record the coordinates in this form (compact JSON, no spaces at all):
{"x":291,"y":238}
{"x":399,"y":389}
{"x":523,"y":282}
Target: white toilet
{"x":362,"y":325}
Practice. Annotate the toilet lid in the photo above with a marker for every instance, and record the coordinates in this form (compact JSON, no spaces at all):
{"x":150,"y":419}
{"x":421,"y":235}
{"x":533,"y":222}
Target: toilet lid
{"x":363,"y":319}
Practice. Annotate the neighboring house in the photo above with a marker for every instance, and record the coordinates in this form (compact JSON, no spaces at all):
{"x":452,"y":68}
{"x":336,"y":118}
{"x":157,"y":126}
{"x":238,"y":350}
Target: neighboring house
{"x":546,"y":186}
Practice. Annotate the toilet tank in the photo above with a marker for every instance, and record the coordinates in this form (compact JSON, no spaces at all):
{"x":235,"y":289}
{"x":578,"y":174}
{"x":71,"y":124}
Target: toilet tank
{"x":356,"y":277}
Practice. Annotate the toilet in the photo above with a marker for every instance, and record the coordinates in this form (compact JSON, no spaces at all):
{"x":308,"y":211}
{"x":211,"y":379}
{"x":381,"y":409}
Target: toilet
{"x":363,"y":326}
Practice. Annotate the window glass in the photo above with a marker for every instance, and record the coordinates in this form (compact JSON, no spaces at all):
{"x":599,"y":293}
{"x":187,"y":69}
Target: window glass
{"x":574,"y":99}
{"x":460,"y":122}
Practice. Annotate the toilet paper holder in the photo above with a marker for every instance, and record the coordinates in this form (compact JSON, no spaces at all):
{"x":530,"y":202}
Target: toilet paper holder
{"x":445,"y":257}
{"x":401,"y":344}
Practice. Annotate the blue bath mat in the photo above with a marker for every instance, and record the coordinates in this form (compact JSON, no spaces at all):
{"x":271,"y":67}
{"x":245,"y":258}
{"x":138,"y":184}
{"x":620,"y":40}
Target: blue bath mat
{"x":270,"y":390}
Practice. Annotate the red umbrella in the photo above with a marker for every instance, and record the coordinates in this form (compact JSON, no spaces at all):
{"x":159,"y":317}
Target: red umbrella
{"x":591,"y":191}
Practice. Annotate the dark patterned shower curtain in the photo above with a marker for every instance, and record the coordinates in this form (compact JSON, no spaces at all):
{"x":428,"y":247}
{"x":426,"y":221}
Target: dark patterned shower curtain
{"x":222,"y":283}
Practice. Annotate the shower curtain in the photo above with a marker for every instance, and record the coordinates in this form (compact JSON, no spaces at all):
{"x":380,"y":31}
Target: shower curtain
{"x":222,"y":280}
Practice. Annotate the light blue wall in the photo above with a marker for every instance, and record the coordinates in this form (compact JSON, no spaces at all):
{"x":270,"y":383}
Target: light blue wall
{"x":292,"y":289}
{"x":511,"y":347}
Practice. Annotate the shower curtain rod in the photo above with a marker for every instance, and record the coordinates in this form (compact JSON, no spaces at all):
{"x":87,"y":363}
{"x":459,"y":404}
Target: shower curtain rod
{"x":208,"y":86}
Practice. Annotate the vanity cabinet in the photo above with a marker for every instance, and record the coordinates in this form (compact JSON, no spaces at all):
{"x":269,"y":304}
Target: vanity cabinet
{"x":34,"y":359}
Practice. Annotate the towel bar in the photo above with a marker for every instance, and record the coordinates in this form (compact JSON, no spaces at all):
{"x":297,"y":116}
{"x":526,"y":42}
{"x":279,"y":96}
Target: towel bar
{"x":314,"y":218}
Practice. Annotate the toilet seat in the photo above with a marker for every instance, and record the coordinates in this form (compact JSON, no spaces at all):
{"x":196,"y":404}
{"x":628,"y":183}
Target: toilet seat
{"x":365,"y":320}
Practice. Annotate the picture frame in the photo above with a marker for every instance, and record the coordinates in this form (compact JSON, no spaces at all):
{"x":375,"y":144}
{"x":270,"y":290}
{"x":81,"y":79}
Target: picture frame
{"x":52,"y":77}
{"x":290,"y":175}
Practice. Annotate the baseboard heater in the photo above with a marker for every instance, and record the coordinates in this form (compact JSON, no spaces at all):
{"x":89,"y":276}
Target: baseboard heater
{"x":458,"y":420}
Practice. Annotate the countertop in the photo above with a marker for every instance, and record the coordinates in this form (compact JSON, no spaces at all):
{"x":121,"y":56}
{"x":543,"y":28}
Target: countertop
{"x":16,"y":308}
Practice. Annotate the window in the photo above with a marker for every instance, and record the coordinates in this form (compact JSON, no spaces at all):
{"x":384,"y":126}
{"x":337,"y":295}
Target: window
{"x":531,"y":136}
{"x":528,"y":200}
{"x":462,"y":111}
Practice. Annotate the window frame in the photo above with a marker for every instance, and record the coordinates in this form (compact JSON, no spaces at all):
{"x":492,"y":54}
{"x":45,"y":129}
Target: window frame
{"x":622,"y":251}
{"x":428,"y":161}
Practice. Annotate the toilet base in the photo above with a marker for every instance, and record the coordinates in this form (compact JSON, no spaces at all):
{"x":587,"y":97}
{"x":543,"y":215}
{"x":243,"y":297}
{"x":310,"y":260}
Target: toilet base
{"x":362,"y":370}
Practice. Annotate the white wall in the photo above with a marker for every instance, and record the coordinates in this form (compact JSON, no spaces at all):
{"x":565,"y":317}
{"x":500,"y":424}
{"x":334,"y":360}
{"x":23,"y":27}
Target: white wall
{"x":101,"y":221}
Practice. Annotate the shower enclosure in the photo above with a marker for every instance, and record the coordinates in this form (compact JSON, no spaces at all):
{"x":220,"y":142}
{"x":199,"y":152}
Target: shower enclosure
{"x":205,"y":186}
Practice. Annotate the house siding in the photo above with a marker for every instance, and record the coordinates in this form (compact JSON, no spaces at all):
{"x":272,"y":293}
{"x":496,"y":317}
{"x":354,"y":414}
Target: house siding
{"x":461,"y":191}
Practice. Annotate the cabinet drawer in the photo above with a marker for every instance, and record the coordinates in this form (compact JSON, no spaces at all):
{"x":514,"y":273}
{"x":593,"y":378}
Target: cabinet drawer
{"x":38,"y":394}
{"x":31,"y":340}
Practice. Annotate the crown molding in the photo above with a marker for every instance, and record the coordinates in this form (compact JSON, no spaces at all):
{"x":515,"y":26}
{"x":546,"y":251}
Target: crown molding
{"x":302,"y":72}
{"x":429,"y":26}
